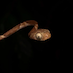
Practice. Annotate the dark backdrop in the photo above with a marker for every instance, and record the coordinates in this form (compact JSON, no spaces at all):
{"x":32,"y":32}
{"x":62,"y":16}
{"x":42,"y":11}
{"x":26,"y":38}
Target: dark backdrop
{"x":18,"y":53}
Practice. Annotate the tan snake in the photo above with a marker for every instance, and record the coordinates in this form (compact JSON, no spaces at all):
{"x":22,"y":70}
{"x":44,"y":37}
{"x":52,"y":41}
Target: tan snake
{"x":35,"y":33}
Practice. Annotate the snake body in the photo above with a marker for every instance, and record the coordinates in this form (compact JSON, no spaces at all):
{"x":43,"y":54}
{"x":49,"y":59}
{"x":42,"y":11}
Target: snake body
{"x":35,"y":33}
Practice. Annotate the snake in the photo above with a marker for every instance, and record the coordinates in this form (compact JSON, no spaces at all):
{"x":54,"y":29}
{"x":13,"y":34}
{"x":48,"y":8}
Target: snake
{"x":35,"y":33}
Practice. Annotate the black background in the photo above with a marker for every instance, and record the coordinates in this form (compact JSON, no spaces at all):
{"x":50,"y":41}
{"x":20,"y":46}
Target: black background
{"x":18,"y":53}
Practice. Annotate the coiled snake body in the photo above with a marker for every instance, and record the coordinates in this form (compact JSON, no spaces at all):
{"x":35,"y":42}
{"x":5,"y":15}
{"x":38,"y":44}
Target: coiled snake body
{"x":35,"y":33}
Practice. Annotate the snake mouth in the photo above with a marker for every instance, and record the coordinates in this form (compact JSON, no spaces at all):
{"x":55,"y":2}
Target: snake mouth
{"x":38,"y":36}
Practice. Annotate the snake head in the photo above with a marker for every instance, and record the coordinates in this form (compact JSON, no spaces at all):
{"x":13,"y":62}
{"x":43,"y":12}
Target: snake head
{"x":40,"y":35}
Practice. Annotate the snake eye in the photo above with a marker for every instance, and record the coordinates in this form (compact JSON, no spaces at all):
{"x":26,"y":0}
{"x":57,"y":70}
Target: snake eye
{"x":38,"y":36}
